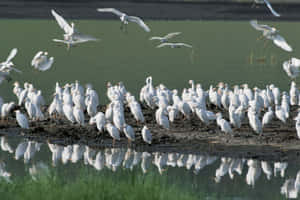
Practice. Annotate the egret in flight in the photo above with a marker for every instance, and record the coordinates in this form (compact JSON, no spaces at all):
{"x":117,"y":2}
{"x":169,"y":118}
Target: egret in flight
{"x":276,"y":14}
{"x":271,"y":33}
{"x":6,"y":66}
{"x":72,"y":35}
{"x":166,"y":37}
{"x":174,"y":45}
{"x":41,"y":61}
{"x":125,"y":19}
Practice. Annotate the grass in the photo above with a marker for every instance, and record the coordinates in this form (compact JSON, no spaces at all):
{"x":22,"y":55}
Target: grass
{"x":94,"y":186}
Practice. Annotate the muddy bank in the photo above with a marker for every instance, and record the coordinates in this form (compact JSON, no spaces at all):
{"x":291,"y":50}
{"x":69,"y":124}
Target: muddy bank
{"x":278,"y":142}
{"x":206,"y":10}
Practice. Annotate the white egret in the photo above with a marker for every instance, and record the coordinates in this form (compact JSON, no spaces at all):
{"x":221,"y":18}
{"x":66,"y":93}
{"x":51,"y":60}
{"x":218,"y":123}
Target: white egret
{"x":126,"y":18}
{"x":276,"y":14}
{"x":72,"y":36}
{"x":146,"y":134}
{"x":166,"y":37}
{"x":129,"y":132}
{"x":224,"y":125}
{"x":78,"y":115}
{"x":174,"y":45}
{"x":41,"y":61}
{"x":113,"y":132}
{"x":292,"y":67}
{"x":22,"y":119}
{"x":271,"y":33}
{"x":268,"y":116}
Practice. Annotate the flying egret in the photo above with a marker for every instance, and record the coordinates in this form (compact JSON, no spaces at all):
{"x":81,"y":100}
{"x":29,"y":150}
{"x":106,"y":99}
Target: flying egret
{"x":22,"y":119}
{"x":41,"y":61}
{"x":271,"y":33}
{"x":166,"y":37}
{"x":292,"y":67}
{"x":72,"y":35}
{"x":6,"y":66}
{"x":174,"y":45}
{"x":125,"y":19}
{"x":276,"y":14}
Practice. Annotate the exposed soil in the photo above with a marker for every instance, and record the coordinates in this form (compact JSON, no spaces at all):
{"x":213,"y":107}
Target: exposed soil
{"x":205,"y":10}
{"x":278,"y":142}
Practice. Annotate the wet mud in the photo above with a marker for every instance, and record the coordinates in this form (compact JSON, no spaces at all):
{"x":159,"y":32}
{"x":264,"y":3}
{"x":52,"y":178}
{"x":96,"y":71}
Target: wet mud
{"x":279,"y":141}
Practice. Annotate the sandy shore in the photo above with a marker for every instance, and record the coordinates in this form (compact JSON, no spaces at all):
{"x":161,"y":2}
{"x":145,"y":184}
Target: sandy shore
{"x":210,"y":10}
{"x":278,"y":142}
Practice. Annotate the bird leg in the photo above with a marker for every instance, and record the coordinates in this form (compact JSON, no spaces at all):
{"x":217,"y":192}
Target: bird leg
{"x":259,"y":38}
{"x":114,"y":141}
{"x":121,"y":27}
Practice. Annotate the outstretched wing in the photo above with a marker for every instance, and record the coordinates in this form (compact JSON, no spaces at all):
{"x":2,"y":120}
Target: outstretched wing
{"x":62,"y":22}
{"x":280,"y":42}
{"x":184,"y":45}
{"x":84,"y":37}
{"x":155,"y":38}
{"x":36,"y":57}
{"x":164,"y":44}
{"x":171,"y":35}
{"x":11,"y":55}
{"x":47,"y":65}
{"x":276,"y":14}
{"x":112,"y":10}
{"x":259,"y":27}
{"x":140,"y":22}
{"x":62,"y":41}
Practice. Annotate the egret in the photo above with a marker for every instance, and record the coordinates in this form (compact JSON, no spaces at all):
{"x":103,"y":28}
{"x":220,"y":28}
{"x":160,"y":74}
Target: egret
{"x":166,"y":37}
{"x":174,"y":45}
{"x":113,"y":132}
{"x":276,"y":14}
{"x":129,"y":132}
{"x":126,"y":18}
{"x":22,"y":119}
{"x":292,"y":67}
{"x":268,"y":116}
{"x":146,"y":134}
{"x":71,"y":36}
{"x":41,"y":61}
{"x":271,"y":33}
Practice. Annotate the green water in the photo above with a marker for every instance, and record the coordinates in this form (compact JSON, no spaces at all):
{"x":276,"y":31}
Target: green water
{"x":221,"y":53}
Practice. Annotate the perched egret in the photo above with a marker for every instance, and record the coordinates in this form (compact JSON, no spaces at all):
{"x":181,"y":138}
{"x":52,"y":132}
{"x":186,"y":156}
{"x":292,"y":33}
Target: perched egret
{"x":22,"y":119}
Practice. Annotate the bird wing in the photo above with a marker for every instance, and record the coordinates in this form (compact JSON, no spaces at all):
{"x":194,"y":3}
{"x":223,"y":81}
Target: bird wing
{"x":280,"y":41}
{"x":276,"y":14}
{"x":112,"y":10}
{"x":83,"y":37}
{"x":171,"y":35}
{"x":47,"y":65}
{"x":185,"y":45}
{"x":164,"y":44}
{"x":36,"y":57}
{"x":62,"y":41}
{"x":140,"y":22}
{"x":15,"y":69}
{"x":259,"y":27}
{"x":155,"y":38}
{"x":11,"y":55}
{"x":295,"y":62}
{"x":62,"y":22}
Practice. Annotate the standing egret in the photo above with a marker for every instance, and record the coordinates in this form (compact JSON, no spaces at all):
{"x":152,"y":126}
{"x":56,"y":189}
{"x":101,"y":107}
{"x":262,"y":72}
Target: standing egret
{"x":129,"y":132}
{"x":113,"y":132}
{"x":22,"y":119}
{"x":126,"y":18}
{"x":146,"y":134}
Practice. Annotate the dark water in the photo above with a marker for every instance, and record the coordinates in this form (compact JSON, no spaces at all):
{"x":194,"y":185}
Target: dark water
{"x":201,"y":174}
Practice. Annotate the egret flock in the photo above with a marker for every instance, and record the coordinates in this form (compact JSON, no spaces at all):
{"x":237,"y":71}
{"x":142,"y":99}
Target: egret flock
{"x":79,"y":105}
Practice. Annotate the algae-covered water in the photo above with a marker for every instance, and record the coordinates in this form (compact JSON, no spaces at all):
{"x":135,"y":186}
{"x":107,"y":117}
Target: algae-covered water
{"x":223,"y":51}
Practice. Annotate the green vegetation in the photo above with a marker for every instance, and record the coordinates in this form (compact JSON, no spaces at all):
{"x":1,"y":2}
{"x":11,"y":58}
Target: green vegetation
{"x":94,"y":185}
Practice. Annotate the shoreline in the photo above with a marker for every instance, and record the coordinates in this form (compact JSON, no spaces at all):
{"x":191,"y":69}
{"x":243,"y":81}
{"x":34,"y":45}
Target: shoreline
{"x":279,"y":141}
{"x":150,"y":11}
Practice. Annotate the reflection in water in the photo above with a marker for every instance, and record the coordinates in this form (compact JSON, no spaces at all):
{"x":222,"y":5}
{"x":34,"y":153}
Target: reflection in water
{"x":115,"y":158}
